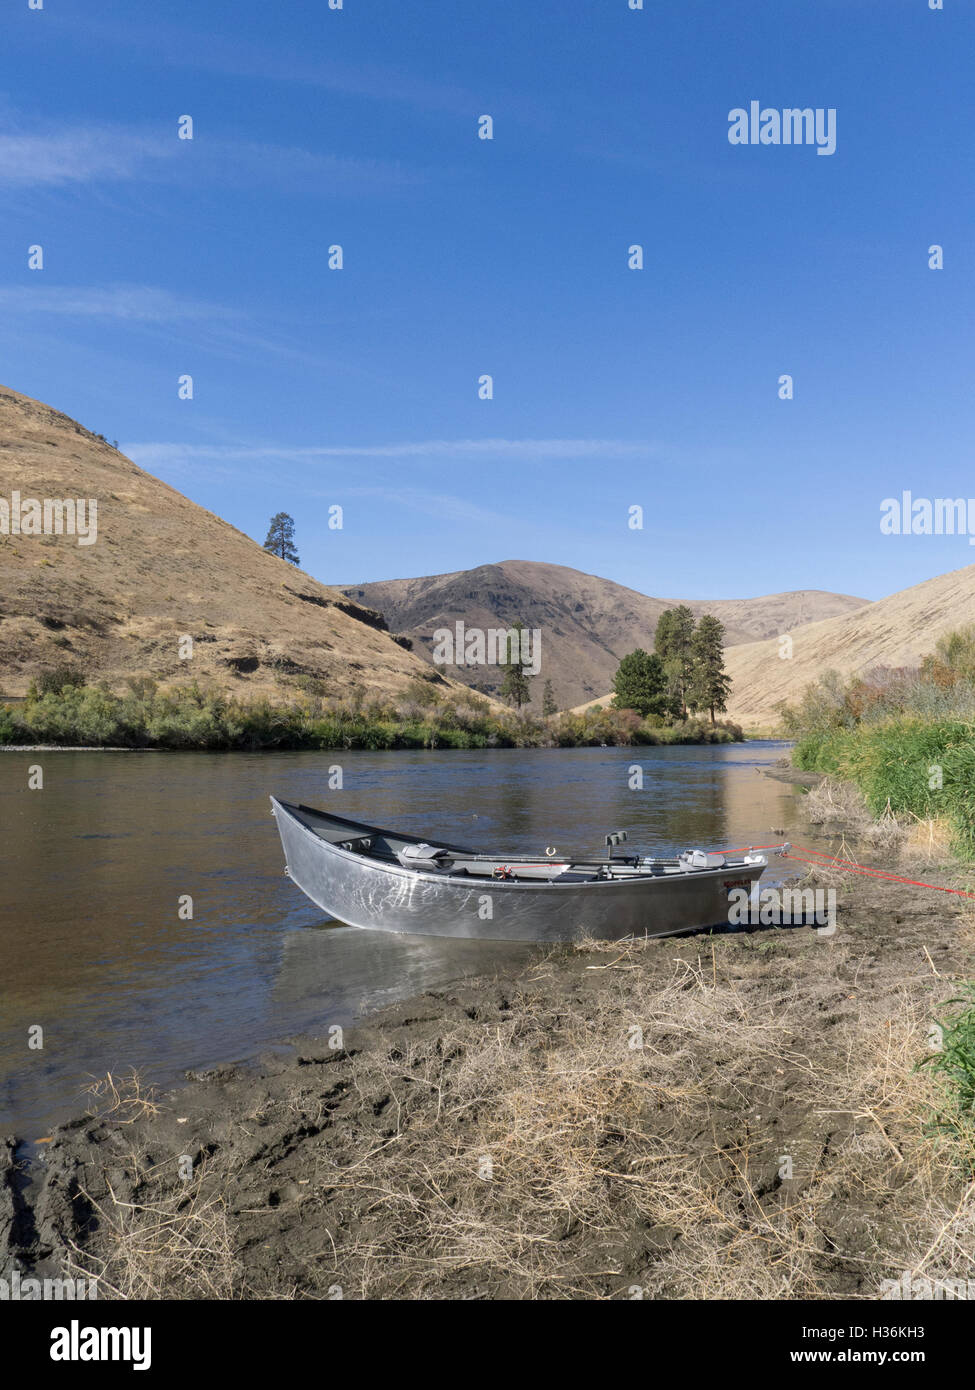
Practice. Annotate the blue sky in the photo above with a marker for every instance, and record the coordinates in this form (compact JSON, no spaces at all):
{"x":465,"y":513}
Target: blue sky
{"x":612,"y":387}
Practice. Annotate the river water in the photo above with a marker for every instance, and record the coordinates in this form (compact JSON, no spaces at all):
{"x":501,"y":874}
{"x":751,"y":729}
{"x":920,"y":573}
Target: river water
{"x":94,"y":952}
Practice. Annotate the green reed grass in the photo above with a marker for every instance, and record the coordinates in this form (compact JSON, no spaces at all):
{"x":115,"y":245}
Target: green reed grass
{"x":955,"y":1062}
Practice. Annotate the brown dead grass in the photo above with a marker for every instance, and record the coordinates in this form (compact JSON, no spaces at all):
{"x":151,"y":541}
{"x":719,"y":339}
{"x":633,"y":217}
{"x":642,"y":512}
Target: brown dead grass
{"x":175,"y":1244}
{"x":124,"y":1098}
{"x":739,"y":1117}
{"x":508,"y":1145}
{"x":839,"y":807}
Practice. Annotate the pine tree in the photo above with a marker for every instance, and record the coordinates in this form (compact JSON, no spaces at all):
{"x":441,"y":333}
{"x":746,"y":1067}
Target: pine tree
{"x":549,"y":702}
{"x":281,"y":538}
{"x":673,"y":644}
{"x":710,"y":683}
{"x":640,"y":684}
{"x":516,"y":685}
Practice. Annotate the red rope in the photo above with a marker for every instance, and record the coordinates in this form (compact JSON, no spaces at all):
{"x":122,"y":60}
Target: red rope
{"x":833,"y":861}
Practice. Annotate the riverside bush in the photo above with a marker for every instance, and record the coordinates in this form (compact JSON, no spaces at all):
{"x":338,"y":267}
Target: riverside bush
{"x":905,"y":738}
{"x":192,"y":717}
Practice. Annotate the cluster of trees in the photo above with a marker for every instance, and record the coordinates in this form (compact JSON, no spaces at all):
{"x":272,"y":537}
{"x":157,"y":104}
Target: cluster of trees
{"x":683,"y":674}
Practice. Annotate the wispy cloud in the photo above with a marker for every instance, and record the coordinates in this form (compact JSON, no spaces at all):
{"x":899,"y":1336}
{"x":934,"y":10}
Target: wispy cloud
{"x":244,"y":163}
{"x":80,"y":154}
{"x":271,"y":57}
{"x":441,"y":505}
{"x":213,"y":328}
{"x":139,"y":303}
{"x":76,"y":155}
{"x":151,"y":455}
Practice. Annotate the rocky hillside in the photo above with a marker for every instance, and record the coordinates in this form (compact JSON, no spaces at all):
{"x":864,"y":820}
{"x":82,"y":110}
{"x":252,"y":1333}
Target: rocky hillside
{"x":162,"y":568}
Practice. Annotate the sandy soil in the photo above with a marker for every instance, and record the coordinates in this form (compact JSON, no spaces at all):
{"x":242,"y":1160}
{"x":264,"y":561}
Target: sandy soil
{"x":724,"y":1116}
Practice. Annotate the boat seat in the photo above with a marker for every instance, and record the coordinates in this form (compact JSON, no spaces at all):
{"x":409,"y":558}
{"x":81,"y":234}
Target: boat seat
{"x":573,"y":876}
{"x":421,"y":856}
{"x":360,"y":845}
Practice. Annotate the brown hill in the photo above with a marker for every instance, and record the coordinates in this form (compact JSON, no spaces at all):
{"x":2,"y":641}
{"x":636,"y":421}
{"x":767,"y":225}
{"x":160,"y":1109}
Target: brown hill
{"x":162,"y":567}
{"x":895,"y":631}
{"x":587,"y":624}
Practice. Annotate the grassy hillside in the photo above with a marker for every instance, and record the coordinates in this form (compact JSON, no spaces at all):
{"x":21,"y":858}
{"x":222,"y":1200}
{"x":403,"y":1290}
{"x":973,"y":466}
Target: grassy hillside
{"x":162,"y":568}
{"x":895,"y":631}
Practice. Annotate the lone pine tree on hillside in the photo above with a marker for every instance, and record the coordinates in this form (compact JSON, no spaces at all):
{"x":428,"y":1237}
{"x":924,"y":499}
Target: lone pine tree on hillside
{"x":281,"y":538}
{"x":549,"y":702}
{"x":710,"y":685}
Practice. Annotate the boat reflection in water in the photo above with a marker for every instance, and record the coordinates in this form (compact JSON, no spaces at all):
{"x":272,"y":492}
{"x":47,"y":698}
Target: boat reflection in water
{"x":345,"y":974}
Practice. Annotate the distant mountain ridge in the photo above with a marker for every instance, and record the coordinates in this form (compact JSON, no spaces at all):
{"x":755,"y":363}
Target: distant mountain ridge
{"x":587,"y":623}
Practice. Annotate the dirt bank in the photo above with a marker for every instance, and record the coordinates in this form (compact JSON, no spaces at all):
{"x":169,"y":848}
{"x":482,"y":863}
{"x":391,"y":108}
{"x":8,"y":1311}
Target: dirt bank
{"x":723,"y":1116}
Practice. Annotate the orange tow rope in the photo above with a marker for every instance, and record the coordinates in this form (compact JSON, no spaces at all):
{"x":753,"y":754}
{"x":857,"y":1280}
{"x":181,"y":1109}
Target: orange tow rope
{"x":833,"y":861}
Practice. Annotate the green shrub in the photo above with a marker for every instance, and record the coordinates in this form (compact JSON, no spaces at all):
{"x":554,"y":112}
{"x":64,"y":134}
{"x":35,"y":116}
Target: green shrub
{"x":53,"y":681}
{"x":190,"y":716}
{"x":906,"y":738}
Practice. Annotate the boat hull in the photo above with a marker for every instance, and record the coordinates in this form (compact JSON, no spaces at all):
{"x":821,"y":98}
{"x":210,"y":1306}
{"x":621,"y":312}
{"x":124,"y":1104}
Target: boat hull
{"x":387,"y":897}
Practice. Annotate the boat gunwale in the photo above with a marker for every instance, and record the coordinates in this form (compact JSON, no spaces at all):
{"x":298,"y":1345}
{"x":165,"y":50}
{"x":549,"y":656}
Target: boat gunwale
{"x":535,"y":885}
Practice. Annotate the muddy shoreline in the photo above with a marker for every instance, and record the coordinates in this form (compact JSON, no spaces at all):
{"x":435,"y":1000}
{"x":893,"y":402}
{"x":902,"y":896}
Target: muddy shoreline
{"x":733,"y":1115}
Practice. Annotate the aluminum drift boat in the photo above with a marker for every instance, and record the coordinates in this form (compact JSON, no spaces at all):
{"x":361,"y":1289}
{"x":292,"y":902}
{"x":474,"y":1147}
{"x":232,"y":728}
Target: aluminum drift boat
{"x":386,"y":881}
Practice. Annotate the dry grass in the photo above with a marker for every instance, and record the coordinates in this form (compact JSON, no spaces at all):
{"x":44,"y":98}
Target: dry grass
{"x":928,"y":840}
{"x":512,"y":1143}
{"x":124,"y":1099}
{"x":175,"y":1244}
{"x":839,"y":807}
{"x":736,"y":1246}
{"x":540,"y":1156}
{"x":740,"y":1117}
